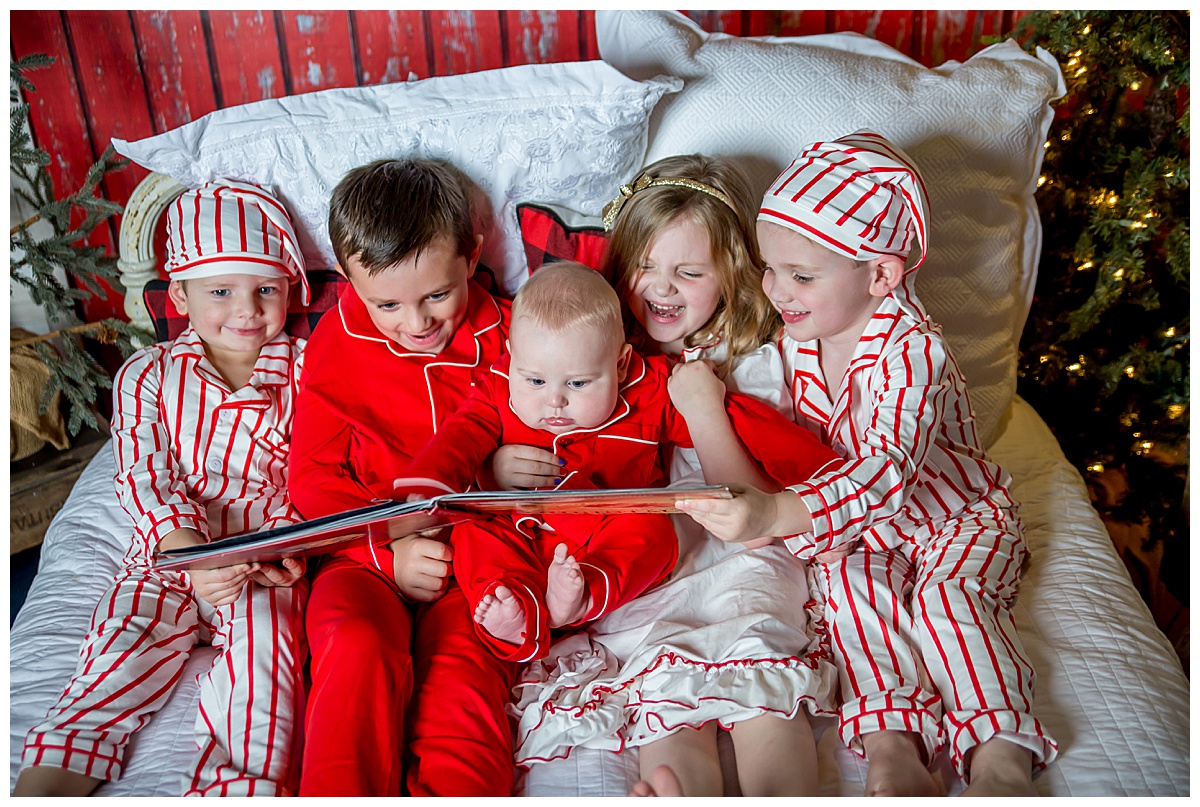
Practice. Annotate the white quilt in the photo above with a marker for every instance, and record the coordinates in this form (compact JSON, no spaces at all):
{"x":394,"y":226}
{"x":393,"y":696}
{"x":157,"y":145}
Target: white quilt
{"x":1110,"y":688}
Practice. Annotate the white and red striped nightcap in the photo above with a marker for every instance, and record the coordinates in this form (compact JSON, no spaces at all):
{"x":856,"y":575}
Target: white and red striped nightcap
{"x":858,"y":195}
{"x":228,"y":227}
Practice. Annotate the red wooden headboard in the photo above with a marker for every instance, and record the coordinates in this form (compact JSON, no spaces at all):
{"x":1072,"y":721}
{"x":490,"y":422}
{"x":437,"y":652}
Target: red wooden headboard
{"x":132,"y":74}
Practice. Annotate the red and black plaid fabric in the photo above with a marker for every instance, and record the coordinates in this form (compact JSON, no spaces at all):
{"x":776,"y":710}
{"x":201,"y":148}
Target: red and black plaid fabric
{"x":548,"y":240}
{"x":325,"y":286}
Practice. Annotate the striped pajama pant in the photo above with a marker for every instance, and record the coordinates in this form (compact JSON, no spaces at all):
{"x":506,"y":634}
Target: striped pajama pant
{"x":925,"y":642}
{"x":142,"y":632}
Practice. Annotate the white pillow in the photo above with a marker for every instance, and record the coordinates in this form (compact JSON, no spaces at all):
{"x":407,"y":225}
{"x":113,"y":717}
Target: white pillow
{"x":976,"y":130}
{"x":564,"y":134}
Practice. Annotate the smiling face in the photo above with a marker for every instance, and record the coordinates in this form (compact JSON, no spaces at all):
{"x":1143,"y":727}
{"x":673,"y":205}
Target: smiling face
{"x":822,"y":294}
{"x":420,"y":301}
{"x":234,"y":314}
{"x":677,"y":289}
{"x":560,"y":381}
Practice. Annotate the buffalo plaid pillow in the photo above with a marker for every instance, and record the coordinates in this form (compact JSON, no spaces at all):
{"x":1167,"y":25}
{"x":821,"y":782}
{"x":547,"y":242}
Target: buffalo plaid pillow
{"x":325,"y":286}
{"x":547,"y":239}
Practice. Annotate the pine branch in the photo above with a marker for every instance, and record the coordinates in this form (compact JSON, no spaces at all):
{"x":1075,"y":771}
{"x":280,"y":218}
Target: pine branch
{"x":35,"y":261}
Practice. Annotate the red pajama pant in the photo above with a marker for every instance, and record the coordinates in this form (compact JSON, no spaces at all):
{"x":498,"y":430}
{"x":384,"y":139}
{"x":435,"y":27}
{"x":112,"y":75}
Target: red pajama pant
{"x":142,"y":632}
{"x":621,"y":556}
{"x":367,"y":666}
{"x":925,"y":641}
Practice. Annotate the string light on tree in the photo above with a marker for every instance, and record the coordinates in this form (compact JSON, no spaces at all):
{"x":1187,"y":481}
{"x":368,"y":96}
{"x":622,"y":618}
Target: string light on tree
{"x":1104,"y":350}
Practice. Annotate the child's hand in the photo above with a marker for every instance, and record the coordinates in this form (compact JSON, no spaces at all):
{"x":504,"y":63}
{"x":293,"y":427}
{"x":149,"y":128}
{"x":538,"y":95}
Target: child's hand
{"x":221,"y":586}
{"x":282,"y":576}
{"x":516,"y":466}
{"x":422,"y":567}
{"x":749,"y":515}
{"x":696,"y":391}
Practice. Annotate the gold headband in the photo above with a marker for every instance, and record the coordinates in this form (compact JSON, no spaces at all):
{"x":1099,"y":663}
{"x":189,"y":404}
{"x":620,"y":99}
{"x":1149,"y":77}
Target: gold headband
{"x":646,"y":181}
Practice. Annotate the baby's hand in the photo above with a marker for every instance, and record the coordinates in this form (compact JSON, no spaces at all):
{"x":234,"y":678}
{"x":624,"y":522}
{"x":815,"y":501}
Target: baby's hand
{"x":221,"y":586}
{"x":696,"y":391}
{"x":282,"y":576}
{"x":747,"y":517}
{"x":422,"y":567}
{"x":517,"y":466}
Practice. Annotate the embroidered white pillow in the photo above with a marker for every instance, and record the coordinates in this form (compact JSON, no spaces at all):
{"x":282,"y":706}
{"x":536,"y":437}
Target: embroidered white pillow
{"x":976,"y":130}
{"x":563,"y":134}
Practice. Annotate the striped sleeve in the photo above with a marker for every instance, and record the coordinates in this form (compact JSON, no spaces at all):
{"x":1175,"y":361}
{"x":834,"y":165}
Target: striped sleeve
{"x":148,"y":479}
{"x":909,"y":388}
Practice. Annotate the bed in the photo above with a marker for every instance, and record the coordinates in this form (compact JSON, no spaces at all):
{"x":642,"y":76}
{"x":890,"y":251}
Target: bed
{"x":1110,"y":688}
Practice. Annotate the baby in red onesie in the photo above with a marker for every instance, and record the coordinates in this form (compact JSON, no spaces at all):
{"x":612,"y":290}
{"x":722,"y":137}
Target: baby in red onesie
{"x":571,"y":385}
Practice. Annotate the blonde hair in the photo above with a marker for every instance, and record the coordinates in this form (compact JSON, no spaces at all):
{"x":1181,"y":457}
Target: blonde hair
{"x":565,"y":295}
{"x":744,"y":318}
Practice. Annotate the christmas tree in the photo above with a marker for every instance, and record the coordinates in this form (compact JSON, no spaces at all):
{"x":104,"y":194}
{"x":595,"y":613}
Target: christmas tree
{"x":35,"y":260}
{"x":1104,"y":358}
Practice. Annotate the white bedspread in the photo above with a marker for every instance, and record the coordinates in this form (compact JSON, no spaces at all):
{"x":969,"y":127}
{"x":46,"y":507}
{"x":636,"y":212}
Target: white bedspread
{"x":1109,"y":688}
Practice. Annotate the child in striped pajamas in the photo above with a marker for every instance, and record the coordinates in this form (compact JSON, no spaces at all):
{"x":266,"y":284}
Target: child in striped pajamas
{"x":200,"y":432}
{"x":920,"y":618}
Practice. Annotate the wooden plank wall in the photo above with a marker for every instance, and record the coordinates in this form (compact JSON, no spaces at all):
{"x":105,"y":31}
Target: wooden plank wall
{"x":132,"y":74}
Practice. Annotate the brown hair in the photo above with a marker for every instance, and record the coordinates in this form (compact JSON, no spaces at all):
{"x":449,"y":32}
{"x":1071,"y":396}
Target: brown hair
{"x":565,"y":295}
{"x":389,"y":210}
{"x":744,"y":317}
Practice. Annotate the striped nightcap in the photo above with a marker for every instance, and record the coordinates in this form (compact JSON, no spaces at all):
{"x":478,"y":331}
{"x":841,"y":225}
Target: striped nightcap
{"x":858,"y":195}
{"x":228,"y":227}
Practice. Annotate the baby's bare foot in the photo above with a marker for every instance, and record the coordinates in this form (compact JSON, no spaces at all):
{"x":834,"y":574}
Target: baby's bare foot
{"x":502,"y":615}
{"x":567,"y":598}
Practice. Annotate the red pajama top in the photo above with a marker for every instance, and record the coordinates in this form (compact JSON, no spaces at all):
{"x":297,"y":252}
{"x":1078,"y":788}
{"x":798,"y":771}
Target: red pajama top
{"x":622,"y":452}
{"x":366,"y":406}
{"x":191,"y":453}
{"x":904,"y":427}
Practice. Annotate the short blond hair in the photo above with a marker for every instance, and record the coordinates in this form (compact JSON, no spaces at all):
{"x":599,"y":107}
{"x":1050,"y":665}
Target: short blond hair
{"x":566,"y":295}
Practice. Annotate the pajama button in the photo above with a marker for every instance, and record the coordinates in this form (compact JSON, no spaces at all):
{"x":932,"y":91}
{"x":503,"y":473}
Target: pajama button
{"x":214,"y":465}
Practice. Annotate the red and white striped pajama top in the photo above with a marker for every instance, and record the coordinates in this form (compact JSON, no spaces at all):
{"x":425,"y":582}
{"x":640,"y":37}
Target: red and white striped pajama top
{"x":191,"y":453}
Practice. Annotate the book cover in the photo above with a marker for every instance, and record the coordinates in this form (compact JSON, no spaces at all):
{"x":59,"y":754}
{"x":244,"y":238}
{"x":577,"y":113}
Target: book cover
{"x":387,"y":521}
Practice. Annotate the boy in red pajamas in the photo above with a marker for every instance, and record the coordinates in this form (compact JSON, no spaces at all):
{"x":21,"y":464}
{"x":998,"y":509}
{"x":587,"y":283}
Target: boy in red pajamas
{"x":573,"y":386}
{"x":382,"y":372}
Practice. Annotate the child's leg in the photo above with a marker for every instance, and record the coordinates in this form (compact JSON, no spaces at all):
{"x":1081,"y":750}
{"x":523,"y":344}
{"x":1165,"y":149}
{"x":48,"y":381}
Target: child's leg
{"x":619,"y":557}
{"x":503,"y":579}
{"x":252,"y":700}
{"x":1000,"y":768}
{"x":776,"y":756}
{"x":886,"y":690}
{"x":362,"y":677}
{"x":967,"y":577}
{"x":142,"y":632}
{"x":691,"y":755}
{"x":462,"y":741}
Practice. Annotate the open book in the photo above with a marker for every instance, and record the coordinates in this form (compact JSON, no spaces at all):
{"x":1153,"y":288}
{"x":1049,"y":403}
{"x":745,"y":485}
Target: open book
{"x":390,"y":520}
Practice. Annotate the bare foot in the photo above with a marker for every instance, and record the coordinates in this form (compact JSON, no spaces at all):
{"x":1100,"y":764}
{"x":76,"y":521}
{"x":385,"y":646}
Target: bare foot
{"x":42,"y":780}
{"x":567,"y":597}
{"x":1000,"y":768}
{"x":895,"y":767}
{"x":502,"y":615}
{"x":663,"y":782}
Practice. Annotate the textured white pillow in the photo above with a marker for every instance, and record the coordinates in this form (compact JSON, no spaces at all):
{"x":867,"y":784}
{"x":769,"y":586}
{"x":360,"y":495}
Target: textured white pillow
{"x":562,"y":134}
{"x":974,"y":129}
